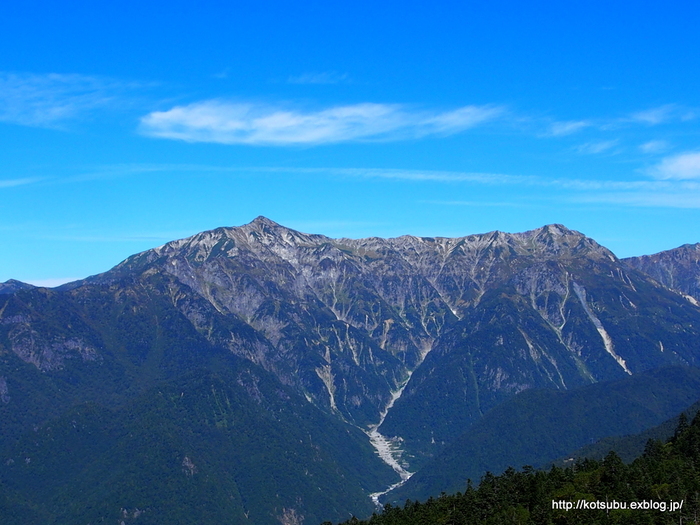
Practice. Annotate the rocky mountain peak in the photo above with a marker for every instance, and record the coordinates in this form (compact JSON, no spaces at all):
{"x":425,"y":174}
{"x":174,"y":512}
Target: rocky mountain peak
{"x":13,"y":285}
{"x":559,"y":241}
{"x":265,"y":231}
{"x":261,"y":228}
{"x":261,"y":220}
{"x":259,"y":236}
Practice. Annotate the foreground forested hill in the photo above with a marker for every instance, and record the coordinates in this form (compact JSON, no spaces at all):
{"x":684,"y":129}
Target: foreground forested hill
{"x":665,"y":475}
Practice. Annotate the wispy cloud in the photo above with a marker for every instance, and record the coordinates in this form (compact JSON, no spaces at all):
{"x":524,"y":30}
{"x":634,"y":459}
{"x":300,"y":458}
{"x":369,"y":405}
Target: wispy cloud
{"x":558,"y":129}
{"x":664,"y":114}
{"x":488,"y":204}
{"x":224,"y":73}
{"x":326,"y":77}
{"x":654,"y":146}
{"x":115,"y":170}
{"x":654,"y":115}
{"x":50,"y":100}
{"x":432,"y":175}
{"x":646,"y":199}
{"x":12,"y":183}
{"x":654,"y":191}
{"x":254,"y":124}
{"x":640,"y":192}
{"x":582,"y":185}
{"x":594,"y":148}
{"x":453,"y":121}
{"x":685,"y":166}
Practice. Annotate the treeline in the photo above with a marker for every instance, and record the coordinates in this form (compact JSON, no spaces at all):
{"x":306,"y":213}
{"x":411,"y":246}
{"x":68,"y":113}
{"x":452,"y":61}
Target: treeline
{"x":665,"y":474}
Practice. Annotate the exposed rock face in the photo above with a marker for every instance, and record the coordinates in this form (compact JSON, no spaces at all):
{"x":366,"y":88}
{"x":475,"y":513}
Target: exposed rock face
{"x":4,"y":392}
{"x":33,"y":348}
{"x":470,"y":320}
{"x":678,"y":269}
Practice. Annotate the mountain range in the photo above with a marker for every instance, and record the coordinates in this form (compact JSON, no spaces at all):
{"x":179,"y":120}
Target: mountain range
{"x":284,"y":377}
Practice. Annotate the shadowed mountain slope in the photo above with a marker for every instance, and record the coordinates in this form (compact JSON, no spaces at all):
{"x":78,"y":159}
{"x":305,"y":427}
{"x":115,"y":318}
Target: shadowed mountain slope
{"x":226,"y":447}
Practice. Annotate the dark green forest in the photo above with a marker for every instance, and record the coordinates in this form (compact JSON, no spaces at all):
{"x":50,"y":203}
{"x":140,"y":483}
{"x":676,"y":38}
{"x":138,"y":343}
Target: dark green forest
{"x":666,"y":473}
{"x":207,"y":448}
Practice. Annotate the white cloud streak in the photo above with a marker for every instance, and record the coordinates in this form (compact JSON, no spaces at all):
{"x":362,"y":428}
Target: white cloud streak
{"x":579,"y":185}
{"x":654,"y":146}
{"x":655,"y":116}
{"x":224,"y":122}
{"x":646,"y":199}
{"x":434,"y":176}
{"x":663,"y":115}
{"x":685,"y":166}
{"x":12,"y":183}
{"x":559,"y":129}
{"x":48,"y":101}
{"x":638,"y":193}
{"x":327,"y":77}
{"x":642,"y":192}
{"x":594,"y":148}
{"x":489,"y":204}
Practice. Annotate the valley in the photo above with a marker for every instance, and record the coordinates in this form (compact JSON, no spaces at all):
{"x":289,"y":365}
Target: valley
{"x":389,"y":450}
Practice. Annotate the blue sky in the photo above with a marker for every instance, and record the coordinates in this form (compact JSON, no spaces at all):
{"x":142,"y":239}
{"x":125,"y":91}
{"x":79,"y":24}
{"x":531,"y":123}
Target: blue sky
{"x":124,"y":125}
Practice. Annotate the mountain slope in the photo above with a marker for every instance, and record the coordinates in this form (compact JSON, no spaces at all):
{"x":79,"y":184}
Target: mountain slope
{"x":630,"y":446}
{"x":678,"y":269}
{"x":228,"y":447}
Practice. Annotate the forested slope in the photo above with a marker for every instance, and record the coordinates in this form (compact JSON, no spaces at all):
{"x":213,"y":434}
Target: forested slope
{"x":665,"y":474}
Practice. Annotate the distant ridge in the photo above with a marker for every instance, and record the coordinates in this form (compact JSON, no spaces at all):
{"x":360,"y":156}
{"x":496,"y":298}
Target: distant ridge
{"x":678,"y":269}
